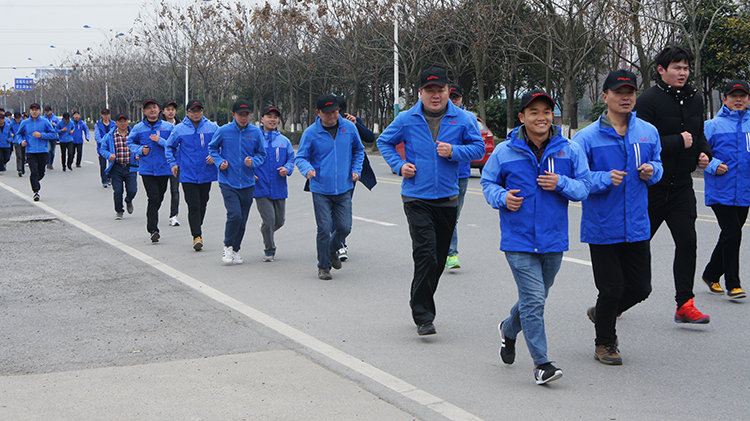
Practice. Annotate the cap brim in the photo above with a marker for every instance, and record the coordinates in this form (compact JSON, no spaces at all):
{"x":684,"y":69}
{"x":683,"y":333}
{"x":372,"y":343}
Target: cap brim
{"x":329,"y":108}
{"x":618,"y":86}
{"x":739,"y":88}
{"x":440,"y":84}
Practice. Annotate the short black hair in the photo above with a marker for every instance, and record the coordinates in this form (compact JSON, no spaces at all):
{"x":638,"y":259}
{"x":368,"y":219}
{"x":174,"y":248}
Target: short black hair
{"x":673,"y":54}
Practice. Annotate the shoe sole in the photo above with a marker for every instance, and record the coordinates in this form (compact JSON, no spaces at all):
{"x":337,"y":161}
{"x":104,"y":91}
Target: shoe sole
{"x":698,"y":322}
{"x":155,"y":237}
{"x":591,"y":313}
{"x":737,"y":297}
{"x":454,"y":267}
{"x":608,"y":362}
{"x":710,"y":289}
{"x":198,"y":246}
{"x":226,"y":262}
{"x":558,"y":374}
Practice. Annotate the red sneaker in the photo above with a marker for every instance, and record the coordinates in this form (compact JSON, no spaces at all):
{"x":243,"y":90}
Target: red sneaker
{"x":689,"y":314}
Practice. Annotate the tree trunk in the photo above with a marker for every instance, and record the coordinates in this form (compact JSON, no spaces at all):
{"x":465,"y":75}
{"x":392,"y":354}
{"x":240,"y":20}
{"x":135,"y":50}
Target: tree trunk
{"x":569,"y":99}
{"x":510,"y":94}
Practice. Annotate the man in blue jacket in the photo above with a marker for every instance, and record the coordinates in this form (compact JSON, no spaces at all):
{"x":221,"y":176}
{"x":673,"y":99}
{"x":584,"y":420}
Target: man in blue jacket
{"x":15,"y":124}
{"x":530,"y":178}
{"x":437,"y":135}
{"x":188,"y":156}
{"x":35,"y":133}
{"x":623,"y":154}
{"x":123,"y":165}
{"x":101,"y":128}
{"x":6,"y":142}
{"x":330,"y":155}
{"x":728,"y":186}
{"x":147,"y":141}
{"x":237,"y":150}
{"x":80,"y":133}
{"x":271,"y":186}
{"x":64,"y":129}
{"x":52,"y":118}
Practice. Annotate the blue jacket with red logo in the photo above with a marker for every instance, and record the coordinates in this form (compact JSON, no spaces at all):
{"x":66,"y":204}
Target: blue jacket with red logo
{"x":65,"y":136}
{"x":233,"y":144}
{"x":155,"y":163}
{"x":618,"y":214}
{"x":79,"y":130}
{"x":187,"y":147}
{"x":540,"y":225}
{"x":101,"y":130}
{"x":728,"y":134}
{"x":33,"y":144}
{"x":279,"y":153}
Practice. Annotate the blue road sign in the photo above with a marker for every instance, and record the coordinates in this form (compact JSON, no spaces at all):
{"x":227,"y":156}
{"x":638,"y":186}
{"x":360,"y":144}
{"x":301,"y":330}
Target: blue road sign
{"x":24,"y":84}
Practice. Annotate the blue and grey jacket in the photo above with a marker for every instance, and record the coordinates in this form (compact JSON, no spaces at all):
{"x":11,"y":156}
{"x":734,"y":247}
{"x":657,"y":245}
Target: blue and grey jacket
{"x":155,"y":163}
{"x":233,"y":144}
{"x":33,"y":144}
{"x":540,"y":225}
{"x":101,"y":130}
{"x":78,"y":133}
{"x":65,"y":136}
{"x":6,"y":135}
{"x":436,"y":177}
{"x":108,"y":149}
{"x":187,"y":147}
{"x":279,"y":153}
{"x":728,"y":134}
{"x":15,"y":125}
{"x":618,"y":214}
{"x":334,"y":160}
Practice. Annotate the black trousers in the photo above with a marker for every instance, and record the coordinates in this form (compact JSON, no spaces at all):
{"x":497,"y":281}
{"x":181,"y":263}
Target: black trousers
{"x":676,"y":207}
{"x":196,"y":197}
{"x":66,"y":155}
{"x":5,"y":154}
{"x":20,"y":157}
{"x":174,"y":191}
{"x":155,"y":186}
{"x":622,"y":273}
{"x":431,"y":228}
{"x":78,"y":148}
{"x":37,"y":165}
{"x":725,"y":259}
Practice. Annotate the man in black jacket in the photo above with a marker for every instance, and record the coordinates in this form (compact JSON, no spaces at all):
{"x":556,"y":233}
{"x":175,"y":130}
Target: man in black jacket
{"x":676,"y":109}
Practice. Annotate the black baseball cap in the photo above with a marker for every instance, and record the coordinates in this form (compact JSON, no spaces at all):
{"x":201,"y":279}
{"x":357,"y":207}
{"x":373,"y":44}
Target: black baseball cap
{"x":327,"y":103}
{"x":241,"y":106}
{"x":47,"y":108}
{"x":191,"y":104}
{"x":618,"y":79}
{"x":170,"y":103}
{"x":35,"y":105}
{"x":121,"y":116}
{"x":105,"y":111}
{"x":433,"y":76}
{"x":271,"y":109}
{"x":342,"y":103}
{"x":455,"y":89}
{"x":149,"y":101}
{"x":736,"y":85}
{"x":530,"y":96}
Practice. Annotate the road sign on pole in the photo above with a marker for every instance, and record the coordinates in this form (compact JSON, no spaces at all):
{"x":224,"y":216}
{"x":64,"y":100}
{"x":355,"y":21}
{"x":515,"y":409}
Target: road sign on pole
{"x":24,"y":84}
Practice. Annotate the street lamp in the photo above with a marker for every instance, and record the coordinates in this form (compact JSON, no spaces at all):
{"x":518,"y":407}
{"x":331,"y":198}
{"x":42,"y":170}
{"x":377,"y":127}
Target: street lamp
{"x":106,"y":77}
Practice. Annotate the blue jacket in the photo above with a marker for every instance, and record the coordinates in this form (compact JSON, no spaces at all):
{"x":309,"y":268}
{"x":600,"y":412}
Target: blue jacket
{"x":52,"y":119}
{"x":541,"y":224}
{"x":108,"y":149}
{"x":279,"y":153}
{"x":101,"y":130}
{"x":187,"y":147}
{"x":436,"y":177}
{"x":15,"y":126}
{"x":65,"y":136}
{"x":728,"y":134}
{"x":232,"y":144}
{"x":155,"y":163}
{"x":6,"y":135}
{"x":334,"y":160}
{"x":41,"y":125}
{"x":78,"y":133}
{"x":618,"y":214}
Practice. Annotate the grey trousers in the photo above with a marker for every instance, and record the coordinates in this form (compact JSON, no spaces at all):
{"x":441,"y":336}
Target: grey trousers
{"x":272,"y":214}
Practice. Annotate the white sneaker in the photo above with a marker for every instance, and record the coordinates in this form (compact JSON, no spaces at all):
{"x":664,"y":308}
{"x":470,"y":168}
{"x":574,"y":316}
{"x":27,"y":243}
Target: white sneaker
{"x":173,"y":222}
{"x":228,"y":256}
{"x":237,"y":258}
{"x":343,"y":253}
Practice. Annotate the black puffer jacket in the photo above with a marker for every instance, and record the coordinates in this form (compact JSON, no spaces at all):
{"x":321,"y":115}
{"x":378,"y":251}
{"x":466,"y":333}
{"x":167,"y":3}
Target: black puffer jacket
{"x":673,"y":111}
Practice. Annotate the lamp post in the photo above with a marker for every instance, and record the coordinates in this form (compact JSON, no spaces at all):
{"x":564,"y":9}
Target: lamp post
{"x":106,"y":81}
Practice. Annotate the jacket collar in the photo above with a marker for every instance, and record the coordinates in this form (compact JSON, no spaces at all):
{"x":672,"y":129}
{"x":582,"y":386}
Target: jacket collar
{"x":680,"y":94}
{"x":733,"y":115}
{"x":452,"y":110}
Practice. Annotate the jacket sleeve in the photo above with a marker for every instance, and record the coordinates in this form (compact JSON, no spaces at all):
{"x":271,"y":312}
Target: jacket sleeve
{"x":289,"y":164}
{"x":578,"y":187}
{"x":387,"y":141}
{"x":365,"y":135}
{"x":358,"y":154}
{"x":302,"y":159}
{"x":86,"y":133}
{"x":106,"y":143}
{"x":259,"y":152}
{"x":494,"y":192}
{"x":170,"y":148}
{"x":671,"y":144}
{"x":656,"y":161}
{"x":599,"y":181}
{"x":214,"y":145}
{"x":49,"y":131}
{"x":472,"y":147}
{"x":134,"y":141}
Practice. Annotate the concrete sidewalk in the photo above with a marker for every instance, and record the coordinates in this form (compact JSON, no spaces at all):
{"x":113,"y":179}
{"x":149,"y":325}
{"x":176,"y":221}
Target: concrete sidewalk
{"x":89,"y":332}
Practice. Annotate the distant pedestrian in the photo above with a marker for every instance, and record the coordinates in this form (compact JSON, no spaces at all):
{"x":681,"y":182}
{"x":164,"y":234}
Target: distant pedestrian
{"x":20,"y":151}
{"x":53,"y":119}
{"x":271,"y":185}
{"x":189,"y":158}
{"x":123,"y":165}
{"x":147,"y":140}
{"x":64,"y":128}
{"x":237,"y":150}
{"x":36,"y":132}
{"x":168,"y":113}
{"x":330,"y":155}
{"x":101,"y":128}
{"x":728,"y":186}
{"x":437,"y":135}
{"x":6,"y":143}
{"x":80,"y":133}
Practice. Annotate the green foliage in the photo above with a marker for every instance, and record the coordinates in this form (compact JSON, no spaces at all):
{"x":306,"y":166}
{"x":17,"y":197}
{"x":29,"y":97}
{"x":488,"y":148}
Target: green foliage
{"x":597,"y":108}
{"x":496,"y":120}
{"x":726,"y":53}
{"x":293,"y":137}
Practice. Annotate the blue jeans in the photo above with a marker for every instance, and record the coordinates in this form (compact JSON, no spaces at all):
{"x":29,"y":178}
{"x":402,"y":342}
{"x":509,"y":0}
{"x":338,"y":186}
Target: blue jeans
{"x":121,"y":175}
{"x":463,"y":185}
{"x":51,"y":151}
{"x":534,"y":274}
{"x":327,"y":208}
{"x":237,"y":202}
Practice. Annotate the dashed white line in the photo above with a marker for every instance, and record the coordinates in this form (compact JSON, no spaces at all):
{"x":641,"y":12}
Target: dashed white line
{"x":372,"y":221}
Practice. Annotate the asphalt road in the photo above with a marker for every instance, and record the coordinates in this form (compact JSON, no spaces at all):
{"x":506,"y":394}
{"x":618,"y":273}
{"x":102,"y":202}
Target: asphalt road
{"x":358,"y":326}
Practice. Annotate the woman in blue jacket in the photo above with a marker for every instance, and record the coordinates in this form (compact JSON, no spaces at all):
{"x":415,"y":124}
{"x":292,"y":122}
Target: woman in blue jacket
{"x":728,"y":186}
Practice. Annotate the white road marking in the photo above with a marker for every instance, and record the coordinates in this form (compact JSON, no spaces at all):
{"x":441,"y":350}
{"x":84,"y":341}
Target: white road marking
{"x":390,"y":381}
{"x":579,"y":261}
{"x":372,"y":221}
{"x":88,"y":162}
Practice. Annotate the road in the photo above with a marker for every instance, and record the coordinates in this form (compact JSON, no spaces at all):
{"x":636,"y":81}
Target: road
{"x":358,"y":328}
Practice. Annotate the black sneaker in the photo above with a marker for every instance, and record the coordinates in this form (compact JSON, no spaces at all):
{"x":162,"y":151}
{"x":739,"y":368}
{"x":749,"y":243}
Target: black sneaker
{"x":426,"y":329}
{"x":155,"y":237}
{"x":591,"y":312}
{"x":325,"y":274}
{"x":129,"y":206}
{"x":546,"y":373}
{"x":335,"y":261}
{"x":507,"y":346}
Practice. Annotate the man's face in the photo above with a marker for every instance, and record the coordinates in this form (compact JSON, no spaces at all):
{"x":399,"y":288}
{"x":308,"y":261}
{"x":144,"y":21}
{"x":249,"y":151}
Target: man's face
{"x":271,"y":121}
{"x":621,"y":100}
{"x":676,"y":74}
{"x":35,"y":112}
{"x":105,"y":116}
{"x":152,"y":111}
{"x":242,"y":118}
{"x":171,"y":111}
{"x":48,"y":112}
{"x":457,"y":100}
{"x":737,"y":100}
{"x":328,"y":119}
{"x":76,"y":117}
{"x":434,"y":98}
{"x":122,"y":124}
{"x":537,"y":117}
{"x":195,"y":114}
{"x":17,"y":118}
